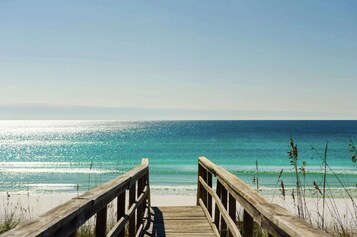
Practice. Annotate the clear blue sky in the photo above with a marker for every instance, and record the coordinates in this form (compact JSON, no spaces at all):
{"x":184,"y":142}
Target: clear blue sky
{"x":178,"y":59}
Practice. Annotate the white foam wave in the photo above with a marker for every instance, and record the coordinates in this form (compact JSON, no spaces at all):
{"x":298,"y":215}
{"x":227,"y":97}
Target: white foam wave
{"x":35,"y":164}
{"x":58,"y":170}
{"x":174,"y":187}
{"x":39,"y":164}
{"x":289,"y":170}
{"x":51,"y":186}
{"x":11,"y":142}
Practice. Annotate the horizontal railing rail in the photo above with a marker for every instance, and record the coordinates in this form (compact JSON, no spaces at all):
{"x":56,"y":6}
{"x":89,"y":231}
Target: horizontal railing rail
{"x":66,"y":219}
{"x":230,"y":190}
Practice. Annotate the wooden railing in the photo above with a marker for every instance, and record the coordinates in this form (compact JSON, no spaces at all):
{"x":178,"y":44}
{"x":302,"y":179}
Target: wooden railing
{"x":132,"y":194}
{"x":65,"y":219}
{"x":274,"y":219}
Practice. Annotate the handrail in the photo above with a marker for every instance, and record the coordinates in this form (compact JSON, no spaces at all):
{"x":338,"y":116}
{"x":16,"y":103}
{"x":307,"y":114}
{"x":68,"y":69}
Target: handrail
{"x":274,"y":219}
{"x":65,"y":219}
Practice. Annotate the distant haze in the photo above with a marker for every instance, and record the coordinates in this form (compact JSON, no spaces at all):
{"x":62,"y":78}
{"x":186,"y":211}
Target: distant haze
{"x":158,"y":60}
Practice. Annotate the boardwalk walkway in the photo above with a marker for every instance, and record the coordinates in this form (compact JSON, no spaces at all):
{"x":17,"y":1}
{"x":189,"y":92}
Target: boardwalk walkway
{"x":215,"y":213}
{"x":178,"y":221}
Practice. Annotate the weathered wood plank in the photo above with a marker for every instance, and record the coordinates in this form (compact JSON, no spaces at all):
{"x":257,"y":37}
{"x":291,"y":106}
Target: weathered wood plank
{"x":179,"y":234}
{"x":172,"y":217}
{"x":184,"y":225}
{"x":178,"y":221}
{"x":295,"y":226}
{"x":179,"y":214}
{"x":180,"y":208}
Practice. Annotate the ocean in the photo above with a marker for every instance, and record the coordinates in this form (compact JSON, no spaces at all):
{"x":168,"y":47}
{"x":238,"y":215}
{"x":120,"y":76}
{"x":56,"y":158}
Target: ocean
{"x":74,"y":156}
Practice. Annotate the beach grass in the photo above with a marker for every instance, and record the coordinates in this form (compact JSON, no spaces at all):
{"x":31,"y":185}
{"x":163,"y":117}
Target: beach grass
{"x":325,"y":205}
{"x":9,"y":223}
{"x":86,"y":231}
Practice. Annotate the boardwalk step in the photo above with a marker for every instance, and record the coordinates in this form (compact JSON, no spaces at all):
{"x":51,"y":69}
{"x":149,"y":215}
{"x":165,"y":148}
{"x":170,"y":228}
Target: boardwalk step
{"x":178,"y":221}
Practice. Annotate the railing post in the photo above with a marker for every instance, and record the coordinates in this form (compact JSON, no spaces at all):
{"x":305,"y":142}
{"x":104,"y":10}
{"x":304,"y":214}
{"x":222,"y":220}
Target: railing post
{"x":140,"y":209}
{"x":132,"y":199}
{"x":101,"y":223}
{"x":247,"y":224}
{"x":121,"y":210}
{"x":148,"y":197}
{"x":204,"y":191}
{"x":216,"y":210}
{"x":209,"y":201}
{"x":199,"y":186}
{"x":224,"y":202}
{"x":232,"y":210}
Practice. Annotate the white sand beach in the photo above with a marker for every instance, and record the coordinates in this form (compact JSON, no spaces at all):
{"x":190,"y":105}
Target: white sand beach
{"x":27,"y":206}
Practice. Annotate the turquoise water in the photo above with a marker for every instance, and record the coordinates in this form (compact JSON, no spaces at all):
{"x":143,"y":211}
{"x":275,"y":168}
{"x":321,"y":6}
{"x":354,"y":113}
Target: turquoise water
{"x":71,"y":156}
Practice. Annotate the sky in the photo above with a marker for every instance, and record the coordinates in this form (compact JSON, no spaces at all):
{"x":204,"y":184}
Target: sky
{"x":163,"y":60}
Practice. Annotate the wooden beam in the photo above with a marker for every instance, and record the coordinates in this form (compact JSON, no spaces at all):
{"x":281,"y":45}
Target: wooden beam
{"x":204,"y":192}
{"x":224,"y":203}
{"x":121,"y":210}
{"x":132,"y":198}
{"x":217,"y":215}
{"x":101,"y":223}
{"x":209,"y":197}
{"x":232,"y":210}
{"x":247,"y":225}
{"x":140,"y":209}
{"x":199,"y":186}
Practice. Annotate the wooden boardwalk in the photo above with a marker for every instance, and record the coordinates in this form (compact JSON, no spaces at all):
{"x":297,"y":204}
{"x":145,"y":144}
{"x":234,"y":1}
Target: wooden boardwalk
{"x":178,"y":221}
{"x":215,"y":213}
